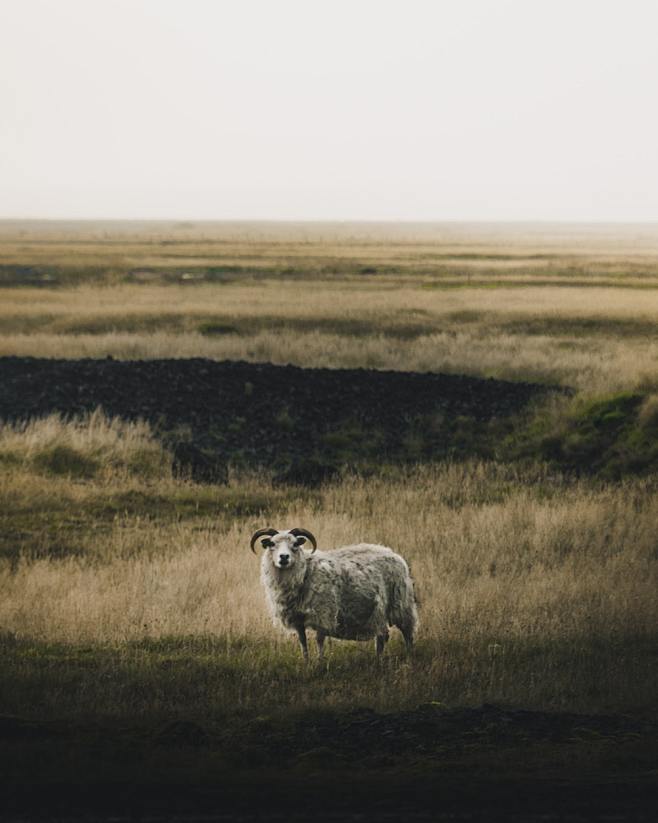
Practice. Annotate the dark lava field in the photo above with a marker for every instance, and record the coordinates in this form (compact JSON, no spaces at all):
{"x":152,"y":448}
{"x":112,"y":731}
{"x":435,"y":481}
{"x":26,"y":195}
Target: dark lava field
{"x":304,"y":423}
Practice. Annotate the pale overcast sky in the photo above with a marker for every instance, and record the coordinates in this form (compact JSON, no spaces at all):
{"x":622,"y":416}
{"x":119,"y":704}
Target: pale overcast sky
{"x":342,"y":109}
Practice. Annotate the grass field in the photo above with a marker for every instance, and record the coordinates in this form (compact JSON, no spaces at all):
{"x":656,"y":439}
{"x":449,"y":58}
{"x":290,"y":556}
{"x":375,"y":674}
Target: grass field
{"x":535,"y":590}
{"x":577,"y":307}
{"x":129,"y":593}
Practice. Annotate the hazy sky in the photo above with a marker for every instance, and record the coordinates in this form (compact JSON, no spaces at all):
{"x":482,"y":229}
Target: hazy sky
{"x":342,"y":109}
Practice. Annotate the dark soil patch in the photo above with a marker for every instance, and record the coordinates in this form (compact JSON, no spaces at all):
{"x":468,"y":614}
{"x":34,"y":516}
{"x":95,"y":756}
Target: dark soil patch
{"x":430,"y":763}
{"x":432,"y":731}
{"x":304,"y":423}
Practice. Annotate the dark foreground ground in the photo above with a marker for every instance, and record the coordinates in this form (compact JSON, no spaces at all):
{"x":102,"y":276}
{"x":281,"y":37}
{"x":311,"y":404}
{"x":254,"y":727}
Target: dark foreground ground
{"x":429,"y":763}
{"x":303,"y":423}
{"x":486,"y":763}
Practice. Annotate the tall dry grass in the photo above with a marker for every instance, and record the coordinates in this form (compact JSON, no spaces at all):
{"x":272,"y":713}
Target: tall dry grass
{"x":502,"y":563}
{"x":534,"y":589}
{"x":558,"y":568}
{"x":93,"y":445}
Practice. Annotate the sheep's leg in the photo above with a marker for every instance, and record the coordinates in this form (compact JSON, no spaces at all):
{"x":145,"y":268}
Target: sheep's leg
{"x":301,"y":633}
{"x":408,"y":634}
{"x":320,"y":637}
{"x":381,"y":642}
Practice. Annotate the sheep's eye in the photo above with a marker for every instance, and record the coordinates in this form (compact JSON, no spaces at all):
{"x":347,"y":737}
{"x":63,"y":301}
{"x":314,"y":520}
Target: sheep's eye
{"x":267,"y":544}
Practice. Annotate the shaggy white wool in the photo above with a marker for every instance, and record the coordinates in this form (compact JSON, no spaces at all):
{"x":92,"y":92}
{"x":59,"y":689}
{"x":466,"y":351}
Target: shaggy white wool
{"x":352,"y":593}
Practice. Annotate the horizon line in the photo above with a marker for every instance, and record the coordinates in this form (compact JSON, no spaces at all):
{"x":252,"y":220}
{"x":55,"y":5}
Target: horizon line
{"x":341,"y":220}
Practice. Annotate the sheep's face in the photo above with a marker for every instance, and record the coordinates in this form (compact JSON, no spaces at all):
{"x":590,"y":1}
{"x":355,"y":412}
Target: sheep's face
{"x":284,"y":549}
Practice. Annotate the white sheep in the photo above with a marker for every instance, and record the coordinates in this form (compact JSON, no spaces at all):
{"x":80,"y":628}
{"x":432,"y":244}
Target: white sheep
{"x":352,"y":593}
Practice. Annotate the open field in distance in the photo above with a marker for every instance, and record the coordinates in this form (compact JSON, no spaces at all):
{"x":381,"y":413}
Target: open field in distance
{"x":575,"y":306}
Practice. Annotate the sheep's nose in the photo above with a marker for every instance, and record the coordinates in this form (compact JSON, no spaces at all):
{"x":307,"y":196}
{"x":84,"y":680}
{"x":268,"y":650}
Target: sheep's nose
{"x":283,"y":559}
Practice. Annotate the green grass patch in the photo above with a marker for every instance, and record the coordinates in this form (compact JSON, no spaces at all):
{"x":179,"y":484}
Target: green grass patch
{"x":78,"y":520}
{"x":610,"y":437}
{"x":220,"y":677}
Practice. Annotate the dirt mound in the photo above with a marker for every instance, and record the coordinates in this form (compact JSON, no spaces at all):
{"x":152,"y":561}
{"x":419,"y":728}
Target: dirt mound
{"x":304,"y":422}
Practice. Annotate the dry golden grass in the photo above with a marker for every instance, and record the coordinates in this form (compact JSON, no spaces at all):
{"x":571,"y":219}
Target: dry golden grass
{"x":595,"y":339}
{"x":576,"y":305}
{"x":558,"y":568}
{"x":534,"y":589}
{"x":91,"y":446}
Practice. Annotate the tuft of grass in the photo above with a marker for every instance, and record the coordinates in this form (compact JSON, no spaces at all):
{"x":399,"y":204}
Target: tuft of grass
{"x":84,"y":447}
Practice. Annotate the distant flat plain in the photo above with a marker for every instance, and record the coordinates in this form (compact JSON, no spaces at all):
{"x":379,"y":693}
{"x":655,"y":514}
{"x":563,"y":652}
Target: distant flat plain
{"x":569,"y":304}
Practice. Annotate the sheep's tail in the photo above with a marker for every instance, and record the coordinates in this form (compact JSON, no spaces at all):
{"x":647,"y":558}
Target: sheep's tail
{"x":403,"y":607}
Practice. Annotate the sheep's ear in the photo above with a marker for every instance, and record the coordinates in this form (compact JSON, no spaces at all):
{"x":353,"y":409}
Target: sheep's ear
{"x":266,"y":543}
{"x":300,"y":541}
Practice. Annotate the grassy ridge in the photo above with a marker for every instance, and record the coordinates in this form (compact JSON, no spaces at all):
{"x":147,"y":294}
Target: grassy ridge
{"x":608,"y":437}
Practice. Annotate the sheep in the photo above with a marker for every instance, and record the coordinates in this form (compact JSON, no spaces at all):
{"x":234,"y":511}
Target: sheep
{"x":351,"y":593}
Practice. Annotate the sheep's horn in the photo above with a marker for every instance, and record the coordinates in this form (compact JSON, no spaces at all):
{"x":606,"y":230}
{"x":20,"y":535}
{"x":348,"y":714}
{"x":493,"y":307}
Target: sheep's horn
{"x":304,"y":533}
{"x":260,"y":533}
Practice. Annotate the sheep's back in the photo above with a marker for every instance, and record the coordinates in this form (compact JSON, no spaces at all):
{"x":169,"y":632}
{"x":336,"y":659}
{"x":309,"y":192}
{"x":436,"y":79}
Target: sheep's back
{"x":358,"y":580}
{"x":367,"y":559}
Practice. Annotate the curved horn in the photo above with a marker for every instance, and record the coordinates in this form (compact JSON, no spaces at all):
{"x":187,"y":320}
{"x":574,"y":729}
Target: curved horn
{"x":304,"y":533}
{"x":260,"y":533}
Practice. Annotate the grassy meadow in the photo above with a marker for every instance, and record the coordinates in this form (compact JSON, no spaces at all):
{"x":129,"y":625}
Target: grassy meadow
{"x":552,"y":304}
{"x":126,"y":591}
{"x":134,"y":593}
